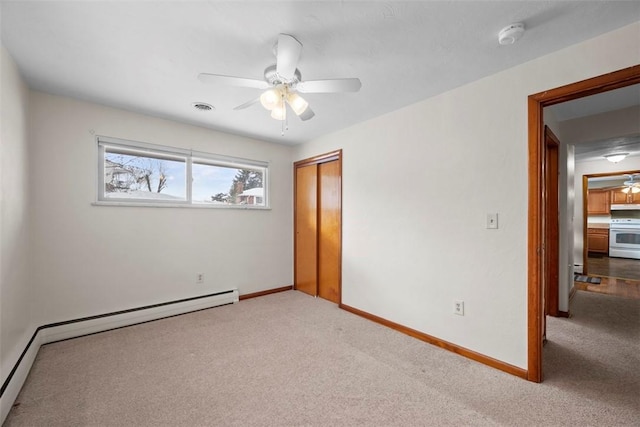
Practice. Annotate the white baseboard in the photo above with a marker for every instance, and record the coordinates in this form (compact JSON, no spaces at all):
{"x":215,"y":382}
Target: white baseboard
{"x":79,"y":327}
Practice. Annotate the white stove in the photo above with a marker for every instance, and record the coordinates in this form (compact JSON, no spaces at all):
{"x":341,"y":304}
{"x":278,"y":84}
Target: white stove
{"x":624,"y":238}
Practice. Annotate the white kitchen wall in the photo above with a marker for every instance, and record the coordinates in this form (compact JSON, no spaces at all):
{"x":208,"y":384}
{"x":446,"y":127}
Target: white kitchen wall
{"x":16,"y":325}
{"x":96,"y":259}
{"x":418,"y":184}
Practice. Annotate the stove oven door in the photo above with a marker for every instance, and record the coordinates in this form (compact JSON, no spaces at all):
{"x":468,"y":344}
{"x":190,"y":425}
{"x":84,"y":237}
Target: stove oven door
{"x":624,"y":243}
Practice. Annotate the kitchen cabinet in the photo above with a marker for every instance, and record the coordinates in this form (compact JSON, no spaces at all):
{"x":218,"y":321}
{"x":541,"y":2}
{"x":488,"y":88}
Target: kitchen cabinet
{"x":620,"y":198}
{"x":598,"y":240}
{"x":598,"y":202}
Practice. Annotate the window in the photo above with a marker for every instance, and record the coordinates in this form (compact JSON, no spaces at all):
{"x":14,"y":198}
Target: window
{"x":139,"y":173}
{"x":143,"y":175}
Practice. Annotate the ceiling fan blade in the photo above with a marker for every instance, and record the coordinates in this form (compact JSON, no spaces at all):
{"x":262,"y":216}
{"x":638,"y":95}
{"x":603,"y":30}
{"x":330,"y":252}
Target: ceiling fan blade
{"x":329,"y":86}
{"x":247,"y":104}
{"x":289,"y":50}
{"x":307,"y":114}
{"x":233,"y":81}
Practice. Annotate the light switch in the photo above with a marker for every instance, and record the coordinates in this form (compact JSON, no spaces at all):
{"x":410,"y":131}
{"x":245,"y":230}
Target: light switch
{"x":492,"y":220}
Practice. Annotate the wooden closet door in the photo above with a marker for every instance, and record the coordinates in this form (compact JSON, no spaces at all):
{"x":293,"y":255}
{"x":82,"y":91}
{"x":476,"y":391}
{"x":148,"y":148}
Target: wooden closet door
{"x":306,"y":223}
{"x":329,"y":228}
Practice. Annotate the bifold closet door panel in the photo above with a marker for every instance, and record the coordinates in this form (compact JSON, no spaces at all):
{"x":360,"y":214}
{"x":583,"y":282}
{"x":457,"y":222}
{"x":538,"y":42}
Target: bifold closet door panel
{"x":329,"y":229}
{"x":306,"y":214}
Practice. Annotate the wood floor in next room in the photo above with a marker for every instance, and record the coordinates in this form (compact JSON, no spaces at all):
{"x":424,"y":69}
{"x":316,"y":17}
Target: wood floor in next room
{"x":622,"y":268}
{"x":612,"y":286}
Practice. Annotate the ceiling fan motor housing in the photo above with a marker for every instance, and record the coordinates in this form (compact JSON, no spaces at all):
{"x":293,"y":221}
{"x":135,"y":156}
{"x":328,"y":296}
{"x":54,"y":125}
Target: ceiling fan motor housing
{"x":274,"y":79}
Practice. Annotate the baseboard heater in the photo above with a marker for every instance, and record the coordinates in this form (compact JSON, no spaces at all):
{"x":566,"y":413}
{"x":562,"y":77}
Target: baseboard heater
{"x":103,"y":322}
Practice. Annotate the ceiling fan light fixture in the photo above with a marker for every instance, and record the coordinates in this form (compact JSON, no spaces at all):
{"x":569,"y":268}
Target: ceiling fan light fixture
{"x":632,"y":188}
{"x":616,"y":157}
{"x":297,"y":103}
{"x":279,"y":112}
{"x":271,"y":98}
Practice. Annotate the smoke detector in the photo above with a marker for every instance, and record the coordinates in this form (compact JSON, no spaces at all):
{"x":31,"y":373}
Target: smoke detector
{"x":511,"y":33}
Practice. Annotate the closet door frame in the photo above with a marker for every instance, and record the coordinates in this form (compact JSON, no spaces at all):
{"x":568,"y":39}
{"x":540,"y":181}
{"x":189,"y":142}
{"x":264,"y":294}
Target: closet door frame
{"x":316,"y":160}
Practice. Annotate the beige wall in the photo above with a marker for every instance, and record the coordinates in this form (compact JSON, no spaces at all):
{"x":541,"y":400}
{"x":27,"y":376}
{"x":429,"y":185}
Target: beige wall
{"x":418,"y":184}
{"x":16,"y":325}
{"x":95,"y":259}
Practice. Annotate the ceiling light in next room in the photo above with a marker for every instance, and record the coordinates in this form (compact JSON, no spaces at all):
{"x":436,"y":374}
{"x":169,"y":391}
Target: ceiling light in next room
{"x":617,"y":157}
{"x":634,"y":190}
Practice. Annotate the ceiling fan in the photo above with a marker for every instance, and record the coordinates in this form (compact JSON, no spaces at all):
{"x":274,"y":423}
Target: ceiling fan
{"x":283,"y":83}
{"x":631,"y":185}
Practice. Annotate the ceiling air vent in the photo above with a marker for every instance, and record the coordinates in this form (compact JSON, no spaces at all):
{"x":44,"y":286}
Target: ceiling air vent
{"x":202,"y":106}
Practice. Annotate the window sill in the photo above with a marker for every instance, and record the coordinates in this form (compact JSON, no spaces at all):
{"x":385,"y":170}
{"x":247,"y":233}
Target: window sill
{"x":179,"y":205}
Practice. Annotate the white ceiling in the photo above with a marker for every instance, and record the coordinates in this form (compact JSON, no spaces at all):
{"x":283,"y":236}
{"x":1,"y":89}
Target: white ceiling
{"x":610,"y":101}
{"x":145,"y":56}
{"x":596,"y":150}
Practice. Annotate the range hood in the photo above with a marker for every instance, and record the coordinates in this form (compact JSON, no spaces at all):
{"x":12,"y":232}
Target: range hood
{"x":626,"y":207}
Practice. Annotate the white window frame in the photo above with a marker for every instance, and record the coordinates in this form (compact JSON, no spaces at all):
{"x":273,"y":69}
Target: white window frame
{"x":189,"y":156}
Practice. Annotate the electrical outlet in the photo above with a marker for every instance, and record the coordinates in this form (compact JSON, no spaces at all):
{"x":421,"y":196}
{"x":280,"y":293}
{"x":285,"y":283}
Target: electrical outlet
{"x":200,"y":278}
{"x":458,"y":308}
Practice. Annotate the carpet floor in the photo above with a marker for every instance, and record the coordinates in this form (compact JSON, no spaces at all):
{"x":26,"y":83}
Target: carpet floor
{"x":291,"y":360}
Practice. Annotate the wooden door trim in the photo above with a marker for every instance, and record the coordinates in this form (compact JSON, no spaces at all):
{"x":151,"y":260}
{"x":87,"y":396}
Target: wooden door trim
{"x":321,"y":158}
{"x":536,"y":104}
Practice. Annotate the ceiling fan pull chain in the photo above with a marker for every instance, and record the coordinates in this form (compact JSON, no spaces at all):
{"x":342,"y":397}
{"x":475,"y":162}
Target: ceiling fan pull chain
{"x":286,"y":116}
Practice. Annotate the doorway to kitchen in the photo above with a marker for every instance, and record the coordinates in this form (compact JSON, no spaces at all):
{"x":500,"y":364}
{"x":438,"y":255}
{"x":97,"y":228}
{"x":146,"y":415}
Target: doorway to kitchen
{"x":537,"y":234}
{"x":611,"y":234}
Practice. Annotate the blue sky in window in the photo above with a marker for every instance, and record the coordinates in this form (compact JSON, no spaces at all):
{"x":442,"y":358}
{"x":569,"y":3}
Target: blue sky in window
{"x":210,"y":180}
